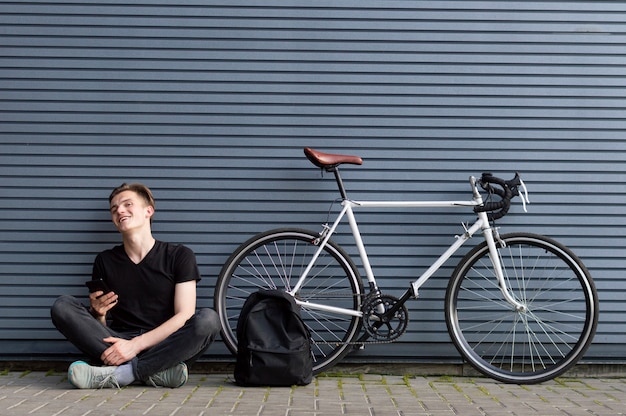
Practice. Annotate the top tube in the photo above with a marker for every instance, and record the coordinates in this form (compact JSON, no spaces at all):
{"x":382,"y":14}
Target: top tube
{"x":330,"y":163}
{"x":506,"y":190}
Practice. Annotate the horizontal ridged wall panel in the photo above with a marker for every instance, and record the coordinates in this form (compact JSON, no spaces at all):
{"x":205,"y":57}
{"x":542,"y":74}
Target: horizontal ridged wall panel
{"x":211,"y":103}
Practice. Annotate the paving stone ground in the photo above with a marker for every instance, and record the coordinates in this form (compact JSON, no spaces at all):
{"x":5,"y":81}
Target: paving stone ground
{"x":49,"y":393}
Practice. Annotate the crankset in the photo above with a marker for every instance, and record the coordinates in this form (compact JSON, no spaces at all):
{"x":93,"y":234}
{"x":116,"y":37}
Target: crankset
{"x":385,"y":317}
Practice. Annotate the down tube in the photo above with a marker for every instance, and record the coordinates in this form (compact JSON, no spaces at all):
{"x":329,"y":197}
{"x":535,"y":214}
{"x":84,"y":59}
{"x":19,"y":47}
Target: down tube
{"x":445,"y":256}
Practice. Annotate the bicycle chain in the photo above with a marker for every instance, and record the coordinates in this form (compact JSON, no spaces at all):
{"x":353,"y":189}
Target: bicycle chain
{"x":313,"y":342}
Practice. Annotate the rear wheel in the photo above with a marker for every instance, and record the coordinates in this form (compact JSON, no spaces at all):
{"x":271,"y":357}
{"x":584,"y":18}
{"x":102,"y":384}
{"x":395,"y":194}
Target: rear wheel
{"x":275,"y":260}
{"x":528,"y":346}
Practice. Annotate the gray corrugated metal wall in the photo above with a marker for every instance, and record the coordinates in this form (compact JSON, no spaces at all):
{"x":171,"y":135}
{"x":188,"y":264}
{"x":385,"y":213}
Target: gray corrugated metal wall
{"x":210,"y":103}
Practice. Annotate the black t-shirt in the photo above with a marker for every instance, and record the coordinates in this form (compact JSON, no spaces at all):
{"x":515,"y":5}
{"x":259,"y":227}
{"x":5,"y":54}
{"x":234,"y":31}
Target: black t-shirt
{"x":145,"y":290}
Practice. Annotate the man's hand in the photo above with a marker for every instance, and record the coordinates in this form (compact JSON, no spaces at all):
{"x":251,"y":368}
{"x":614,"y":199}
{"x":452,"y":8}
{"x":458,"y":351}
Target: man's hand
{"x":120,"y":351}
{"x":101,"y":304}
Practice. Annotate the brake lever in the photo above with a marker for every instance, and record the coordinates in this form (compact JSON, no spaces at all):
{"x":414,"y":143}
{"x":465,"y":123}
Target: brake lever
{"x":524,"y":195}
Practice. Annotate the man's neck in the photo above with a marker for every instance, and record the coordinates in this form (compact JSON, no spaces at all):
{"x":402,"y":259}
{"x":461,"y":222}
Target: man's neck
{"x":138,"y":245}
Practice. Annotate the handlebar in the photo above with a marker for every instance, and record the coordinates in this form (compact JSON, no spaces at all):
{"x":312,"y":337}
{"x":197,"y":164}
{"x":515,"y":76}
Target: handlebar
{"x":505,"y":190}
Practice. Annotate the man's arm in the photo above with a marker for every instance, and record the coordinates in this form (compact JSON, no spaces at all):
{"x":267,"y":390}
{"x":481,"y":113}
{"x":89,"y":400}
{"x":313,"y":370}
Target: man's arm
{"x":122,"y":350}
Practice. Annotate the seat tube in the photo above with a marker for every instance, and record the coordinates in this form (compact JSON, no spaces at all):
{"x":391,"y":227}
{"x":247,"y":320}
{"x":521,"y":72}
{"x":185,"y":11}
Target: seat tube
{"x":359,"y":243}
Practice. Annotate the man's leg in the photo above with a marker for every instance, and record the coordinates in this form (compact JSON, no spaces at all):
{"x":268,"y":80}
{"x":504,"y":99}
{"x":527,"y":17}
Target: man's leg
{"x":184,"y":345}
{"x":75,"y":322}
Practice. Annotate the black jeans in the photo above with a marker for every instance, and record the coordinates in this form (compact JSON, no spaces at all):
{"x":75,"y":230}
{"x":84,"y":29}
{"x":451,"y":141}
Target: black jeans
{"x":74,"y":321}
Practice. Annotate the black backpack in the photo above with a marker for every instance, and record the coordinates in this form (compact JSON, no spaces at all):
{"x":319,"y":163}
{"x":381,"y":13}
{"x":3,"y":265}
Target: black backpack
{"x":273,"y":343}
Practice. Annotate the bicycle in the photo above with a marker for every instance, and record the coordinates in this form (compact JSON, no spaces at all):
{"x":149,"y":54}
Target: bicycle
{"x":520,"y":307}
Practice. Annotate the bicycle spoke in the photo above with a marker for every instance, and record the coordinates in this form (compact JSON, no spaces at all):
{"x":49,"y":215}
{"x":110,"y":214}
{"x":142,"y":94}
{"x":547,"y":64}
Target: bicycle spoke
{"x":273,"y":260}
{"x":537,"y":342}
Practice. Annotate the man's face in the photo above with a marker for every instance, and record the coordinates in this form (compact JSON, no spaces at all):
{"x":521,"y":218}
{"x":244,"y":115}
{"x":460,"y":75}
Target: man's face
{"x":129,"y":211}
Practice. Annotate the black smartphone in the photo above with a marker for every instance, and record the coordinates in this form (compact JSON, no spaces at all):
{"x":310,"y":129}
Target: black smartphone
{"x":96,"y":285}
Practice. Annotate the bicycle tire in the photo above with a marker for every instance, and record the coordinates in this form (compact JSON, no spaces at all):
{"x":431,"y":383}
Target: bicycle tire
{"x":522,"y":347}
{"x":274,"y":260}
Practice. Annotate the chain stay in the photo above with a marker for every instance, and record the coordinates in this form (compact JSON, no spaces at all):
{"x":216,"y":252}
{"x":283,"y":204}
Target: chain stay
{"x":371,"y":303}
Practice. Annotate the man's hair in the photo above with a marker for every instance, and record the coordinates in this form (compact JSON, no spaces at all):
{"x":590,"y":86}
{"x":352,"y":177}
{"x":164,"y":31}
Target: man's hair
{"x":140,"y":189}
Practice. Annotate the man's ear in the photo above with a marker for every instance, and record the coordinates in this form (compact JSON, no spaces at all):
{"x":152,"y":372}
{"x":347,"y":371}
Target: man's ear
{"x":150,"y":211}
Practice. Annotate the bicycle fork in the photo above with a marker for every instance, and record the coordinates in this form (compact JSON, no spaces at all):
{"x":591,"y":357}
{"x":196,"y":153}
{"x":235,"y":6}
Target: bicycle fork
{"x":497,"y":267}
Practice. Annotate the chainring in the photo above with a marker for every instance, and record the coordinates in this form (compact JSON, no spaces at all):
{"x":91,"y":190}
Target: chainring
{"x":378,"y":324}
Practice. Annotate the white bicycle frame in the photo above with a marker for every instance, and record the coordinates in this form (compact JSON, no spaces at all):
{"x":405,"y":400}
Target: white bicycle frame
{"x":482,"y":223}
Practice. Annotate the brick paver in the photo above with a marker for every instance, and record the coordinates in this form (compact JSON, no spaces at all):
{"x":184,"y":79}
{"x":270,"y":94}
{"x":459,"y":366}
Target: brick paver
{"x":39,"y":393}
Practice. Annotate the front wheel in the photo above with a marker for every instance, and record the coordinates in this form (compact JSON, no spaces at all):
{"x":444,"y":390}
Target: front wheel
{"x":526,"y":346}
{"x":275,"y":260}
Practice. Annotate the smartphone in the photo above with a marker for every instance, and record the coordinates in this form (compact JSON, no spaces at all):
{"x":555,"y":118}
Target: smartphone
{"x":96,"y":285}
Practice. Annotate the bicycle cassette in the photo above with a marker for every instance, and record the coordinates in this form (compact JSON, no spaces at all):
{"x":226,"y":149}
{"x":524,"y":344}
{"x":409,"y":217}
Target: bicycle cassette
{"x":380,"y":322}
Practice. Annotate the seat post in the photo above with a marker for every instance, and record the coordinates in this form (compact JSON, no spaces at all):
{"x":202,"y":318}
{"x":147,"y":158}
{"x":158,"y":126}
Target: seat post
{"x":342,"y":190}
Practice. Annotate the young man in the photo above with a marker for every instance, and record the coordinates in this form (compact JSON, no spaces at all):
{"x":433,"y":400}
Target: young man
{"x":146,"y":329}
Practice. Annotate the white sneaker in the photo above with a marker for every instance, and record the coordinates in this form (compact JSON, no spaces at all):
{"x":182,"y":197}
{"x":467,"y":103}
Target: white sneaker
{"x":84,"y":376}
